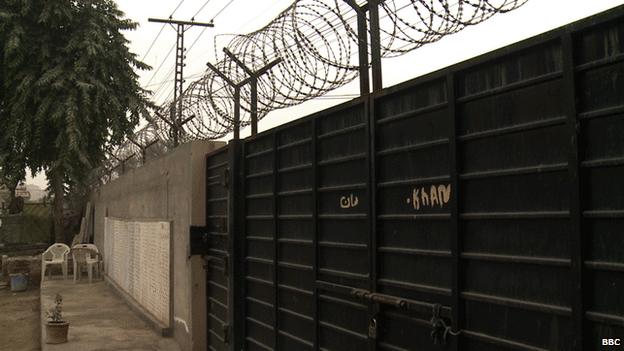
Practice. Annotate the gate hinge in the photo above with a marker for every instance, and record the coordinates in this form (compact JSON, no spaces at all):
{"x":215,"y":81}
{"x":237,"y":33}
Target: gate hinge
{"x":224,"y":262}
{"x":226,"y":178}
{"x":198,"y":238}
{"x":226,"y":333}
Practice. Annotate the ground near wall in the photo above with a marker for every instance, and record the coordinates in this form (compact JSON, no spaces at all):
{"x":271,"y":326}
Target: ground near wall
{"x":19,"y":320}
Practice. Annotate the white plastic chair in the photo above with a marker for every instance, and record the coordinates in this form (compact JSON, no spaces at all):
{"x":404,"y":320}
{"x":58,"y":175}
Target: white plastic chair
{"x":55,"y":254}
{"x":87,"y":256}
{"x":100,"y":265}
{"x":88,"y":246}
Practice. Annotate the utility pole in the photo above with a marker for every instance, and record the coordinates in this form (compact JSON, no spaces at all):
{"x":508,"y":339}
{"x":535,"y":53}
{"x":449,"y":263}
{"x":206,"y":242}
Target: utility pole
{"x":181,"y":27}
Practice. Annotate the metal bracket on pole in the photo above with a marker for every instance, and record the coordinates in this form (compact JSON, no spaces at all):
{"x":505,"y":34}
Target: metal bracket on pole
{"x":373,"y":13}
{"x":140,"y":147}
{"x":237,"y":88}
{"x":372,"y":7}
{"x":253,"y":83}
{"x":362,"y":35}
{"x":120,"y":162}
{"x":175,"y":125}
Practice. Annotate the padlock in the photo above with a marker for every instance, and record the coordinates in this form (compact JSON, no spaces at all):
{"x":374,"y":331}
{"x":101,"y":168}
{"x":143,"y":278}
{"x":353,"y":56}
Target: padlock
{"x":372,"y":328}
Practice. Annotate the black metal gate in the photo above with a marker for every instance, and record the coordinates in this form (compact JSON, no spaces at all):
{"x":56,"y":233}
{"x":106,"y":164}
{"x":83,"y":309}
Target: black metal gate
{"x":477,"y":208}
{"x":214,"y":242}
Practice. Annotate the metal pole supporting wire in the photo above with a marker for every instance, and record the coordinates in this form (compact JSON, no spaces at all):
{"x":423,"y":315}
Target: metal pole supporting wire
{"x":316,"y":43}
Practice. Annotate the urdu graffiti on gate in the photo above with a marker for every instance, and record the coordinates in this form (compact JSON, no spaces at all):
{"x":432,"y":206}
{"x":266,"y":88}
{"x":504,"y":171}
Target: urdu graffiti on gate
{"x":436,"y":195}
{"x":349,"y":201}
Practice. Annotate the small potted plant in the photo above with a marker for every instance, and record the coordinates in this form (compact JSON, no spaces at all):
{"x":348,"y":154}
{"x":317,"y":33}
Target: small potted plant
{"x":56,"y":327}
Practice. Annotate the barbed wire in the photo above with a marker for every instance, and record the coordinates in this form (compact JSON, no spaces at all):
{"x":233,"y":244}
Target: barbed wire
{"x":316,"y":42}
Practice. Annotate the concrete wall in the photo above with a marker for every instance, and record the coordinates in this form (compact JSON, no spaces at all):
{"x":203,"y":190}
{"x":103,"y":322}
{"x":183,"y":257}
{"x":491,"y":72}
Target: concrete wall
{"x":169,"y":188}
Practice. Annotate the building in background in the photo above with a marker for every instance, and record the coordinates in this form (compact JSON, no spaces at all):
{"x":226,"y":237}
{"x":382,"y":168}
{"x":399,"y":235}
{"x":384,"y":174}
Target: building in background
{"x":36,"y":193}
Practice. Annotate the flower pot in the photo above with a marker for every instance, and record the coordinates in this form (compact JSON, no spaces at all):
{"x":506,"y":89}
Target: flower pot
{"x":56,"y":332}
{"x":19,"y":282}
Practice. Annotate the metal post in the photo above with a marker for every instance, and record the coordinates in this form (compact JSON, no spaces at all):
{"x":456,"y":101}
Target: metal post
{"x":237,"y":239}
{"x":315,"y":230}
{"x":276,"y":250}
{"x":373,"y":12}
{"x":236,"y":112}
{"x":362,"y":46}
{"x":253,"y":79}
{"x":253,"y":84}
{"x":455,"y":209}
{"x":140,"y":147}
{"x":236,"y":87}
{"x":174,"y":126}
{"x":371,"y":190}
{"x":577,"y":242}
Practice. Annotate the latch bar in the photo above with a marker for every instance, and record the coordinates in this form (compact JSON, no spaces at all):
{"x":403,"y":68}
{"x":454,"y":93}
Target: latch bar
{"x":400,"y":302}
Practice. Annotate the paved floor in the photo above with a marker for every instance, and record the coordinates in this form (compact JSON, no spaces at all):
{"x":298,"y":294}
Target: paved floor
{"x":19,"y":319}
{"x":99,"y":320}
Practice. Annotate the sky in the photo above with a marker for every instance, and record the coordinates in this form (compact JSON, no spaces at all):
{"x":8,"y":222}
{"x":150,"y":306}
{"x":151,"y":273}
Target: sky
{"x":244,"y":16}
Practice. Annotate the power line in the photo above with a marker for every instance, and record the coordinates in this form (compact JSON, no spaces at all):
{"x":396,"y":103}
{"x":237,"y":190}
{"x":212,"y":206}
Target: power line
{"x":317,"y":41}
{"x":198,"y":36}
{"x":161,"y":64}
{"x":200,"y":9}
{"x":176,"y":9}
{"x":222,"y":9}
{"x":153,"y":42}
{"x":195,"y":75}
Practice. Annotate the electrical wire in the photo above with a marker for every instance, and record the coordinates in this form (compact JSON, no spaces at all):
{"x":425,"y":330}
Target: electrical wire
{"x":317,"y":43}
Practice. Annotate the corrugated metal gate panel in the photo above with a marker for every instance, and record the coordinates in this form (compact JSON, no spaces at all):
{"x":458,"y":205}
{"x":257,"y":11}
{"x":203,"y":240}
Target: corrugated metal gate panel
{"x":295,"y":252}
{"x":413,"y":193}
{"x":259,"y":244}
{"x":515,"y":201}
{"x":599,"y":55}
{"x":343,"y":232}
{"x":488,"y":190}
{"x":217,"y":242}
{"x":317,"y":161}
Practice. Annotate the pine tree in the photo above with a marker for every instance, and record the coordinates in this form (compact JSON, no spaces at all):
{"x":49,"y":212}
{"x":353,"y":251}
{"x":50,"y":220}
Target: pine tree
{"x":68,"y":88}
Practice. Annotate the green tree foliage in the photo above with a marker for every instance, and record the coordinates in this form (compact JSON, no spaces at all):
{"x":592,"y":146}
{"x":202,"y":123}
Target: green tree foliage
{"x":68,"y":89}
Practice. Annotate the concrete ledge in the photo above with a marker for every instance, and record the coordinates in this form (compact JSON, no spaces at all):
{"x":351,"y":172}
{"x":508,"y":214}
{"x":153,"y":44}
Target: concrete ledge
{"x":144,"y":314}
